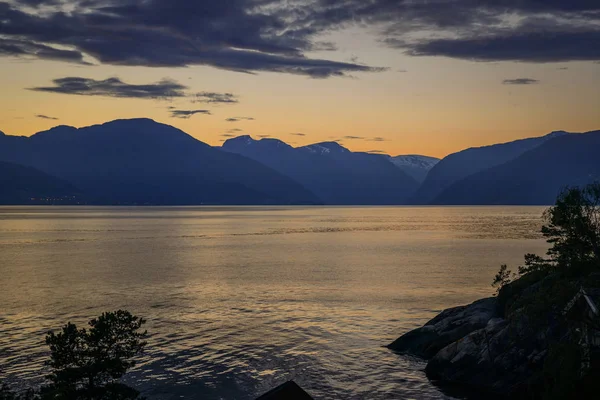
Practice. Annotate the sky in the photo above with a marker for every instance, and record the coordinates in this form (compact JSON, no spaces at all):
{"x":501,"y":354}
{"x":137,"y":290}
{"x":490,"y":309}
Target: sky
{"x":398,"y":76}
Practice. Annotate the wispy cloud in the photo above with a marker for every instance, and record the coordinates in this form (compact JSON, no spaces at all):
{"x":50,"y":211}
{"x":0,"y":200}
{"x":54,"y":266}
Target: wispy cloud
{"x":298,"y":134}
{"x":237,"y":119}
{"x":216,"y":98}
{"x":42,"y":116}
{"x":520,"y":81}
{"x":353,"y":137}
{"x":377,"y":139}
{"x":185,"y":114}
{"x":114,"y":87}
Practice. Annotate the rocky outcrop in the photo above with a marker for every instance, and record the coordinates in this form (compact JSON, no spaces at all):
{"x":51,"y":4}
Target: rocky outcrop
{"x":448,"y":327}
{"x":473,"y":349}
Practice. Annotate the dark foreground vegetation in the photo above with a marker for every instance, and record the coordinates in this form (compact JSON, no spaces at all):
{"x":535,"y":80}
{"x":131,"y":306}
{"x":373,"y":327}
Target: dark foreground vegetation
{"x":87,"y":364}
{"x":539,"y":338}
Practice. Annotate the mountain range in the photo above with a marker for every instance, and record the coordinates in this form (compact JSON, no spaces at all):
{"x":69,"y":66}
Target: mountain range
{"x":140,"y":161}
{"x":332,"y":172}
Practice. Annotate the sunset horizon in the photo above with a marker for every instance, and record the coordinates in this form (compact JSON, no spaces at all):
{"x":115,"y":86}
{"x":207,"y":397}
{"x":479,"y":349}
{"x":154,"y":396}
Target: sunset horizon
{"x":299,"y":199}
{"x":402,"y":79}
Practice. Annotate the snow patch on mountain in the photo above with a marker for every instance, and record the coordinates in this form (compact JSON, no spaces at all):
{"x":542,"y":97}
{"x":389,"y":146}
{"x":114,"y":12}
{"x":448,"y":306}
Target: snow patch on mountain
{"x":413,"y":160}
{"x":325,"y":148}
{"x":416,"y":166}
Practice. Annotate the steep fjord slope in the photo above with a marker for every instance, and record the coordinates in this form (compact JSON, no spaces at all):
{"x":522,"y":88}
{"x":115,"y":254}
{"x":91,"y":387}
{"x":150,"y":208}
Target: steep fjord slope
{"x":468,"y":162}
{"x":144,"y":162}
{"x":335,"y":174}
{"x":26,"y":185}
{"x":535,"y":177}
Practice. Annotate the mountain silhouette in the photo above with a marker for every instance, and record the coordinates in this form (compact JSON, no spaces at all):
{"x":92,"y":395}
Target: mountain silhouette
{"x":335,"y":174}
{"x":26,"y":185}
{"x":535,"y":177}
{"x":415,"y":166}
{"x":139,"y":161}
{"x":460,"y":165}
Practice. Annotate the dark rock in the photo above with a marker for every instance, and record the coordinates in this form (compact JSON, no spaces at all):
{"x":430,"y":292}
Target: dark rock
{"x":448,"y":327}
{"x":288,"y":391}
{"x":481,"y":359}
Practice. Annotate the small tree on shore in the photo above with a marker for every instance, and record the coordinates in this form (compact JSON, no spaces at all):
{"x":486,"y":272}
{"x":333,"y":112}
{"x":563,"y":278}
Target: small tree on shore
{"x":573,"y":226}
{"x":87,"y":364}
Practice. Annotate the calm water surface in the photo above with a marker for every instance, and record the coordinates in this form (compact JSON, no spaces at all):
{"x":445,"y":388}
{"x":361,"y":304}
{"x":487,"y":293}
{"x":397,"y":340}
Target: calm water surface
{"x":241,"y":299}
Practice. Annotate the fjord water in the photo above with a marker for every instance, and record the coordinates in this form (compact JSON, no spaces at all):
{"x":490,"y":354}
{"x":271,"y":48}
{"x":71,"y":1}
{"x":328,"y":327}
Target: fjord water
{"x":241,"y":299}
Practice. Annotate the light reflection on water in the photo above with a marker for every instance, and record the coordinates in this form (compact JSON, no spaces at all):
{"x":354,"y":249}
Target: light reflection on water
{"x":241,"y":299}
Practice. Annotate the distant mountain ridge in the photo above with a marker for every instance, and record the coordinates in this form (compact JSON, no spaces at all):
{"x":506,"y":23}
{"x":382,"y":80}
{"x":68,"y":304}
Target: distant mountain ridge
{"x":460,"y":165}
{"x":335,"y":174}
{"x":139,"y":161}
{"x":535,"y":177}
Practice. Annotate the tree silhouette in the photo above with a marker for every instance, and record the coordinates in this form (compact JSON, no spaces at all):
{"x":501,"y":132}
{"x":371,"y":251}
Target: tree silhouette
{"x":88,"y":363}
{"x":573,"y":226}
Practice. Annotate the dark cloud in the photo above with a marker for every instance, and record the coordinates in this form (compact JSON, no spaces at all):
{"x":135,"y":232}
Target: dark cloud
{"x":185,"y":114}
{"x":228,"y":135}
{"x":237,"y":119}
{"x":377,"y":139}
{"x":239,"y":35}
{"x":216,"y":98}
{"x":520,"y":81}
{"x":298,"y":134}
{"x":526,"y":47}
{"x":353,"y":137}
{"x":265,"y":136}
{"x":272,"y":35}
{"x":235,"y":130}
{"x":114,"y":87}
{"x":42,"y":116}
{"x":482,"y":30}
{"x":29,"y":49}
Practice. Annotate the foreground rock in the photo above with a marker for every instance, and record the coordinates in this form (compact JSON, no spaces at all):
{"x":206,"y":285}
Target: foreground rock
{"x":527,"y":354}
{"x":448,"y":327}
{"x":473,"y":349}
{"x":288,"y":391}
